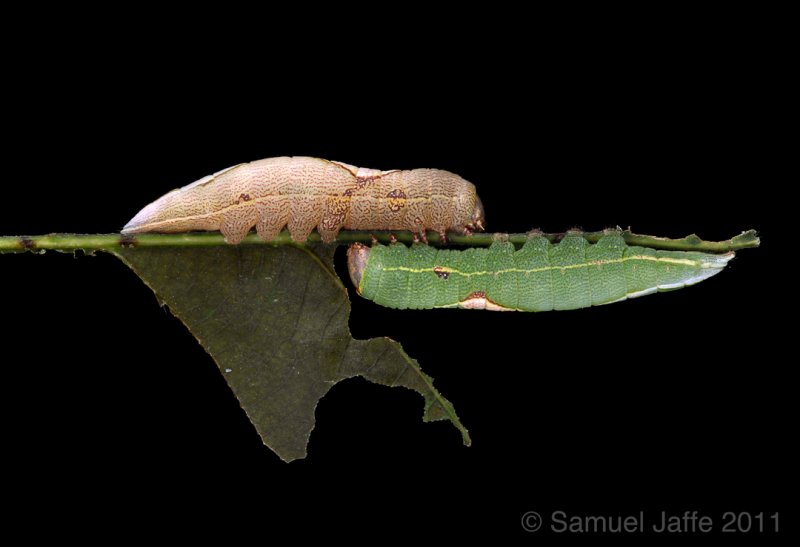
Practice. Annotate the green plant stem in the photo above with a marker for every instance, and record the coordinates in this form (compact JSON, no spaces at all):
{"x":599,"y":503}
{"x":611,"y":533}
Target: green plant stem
{"x":106,"y":242}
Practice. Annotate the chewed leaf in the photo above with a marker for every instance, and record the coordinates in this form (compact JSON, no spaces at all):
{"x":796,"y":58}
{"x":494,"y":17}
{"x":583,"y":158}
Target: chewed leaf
{"x":275,"y":320}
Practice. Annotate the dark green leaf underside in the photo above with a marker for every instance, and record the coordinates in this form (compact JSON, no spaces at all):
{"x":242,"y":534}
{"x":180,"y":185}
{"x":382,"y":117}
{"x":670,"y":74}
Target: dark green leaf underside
{"x":275,"y":321}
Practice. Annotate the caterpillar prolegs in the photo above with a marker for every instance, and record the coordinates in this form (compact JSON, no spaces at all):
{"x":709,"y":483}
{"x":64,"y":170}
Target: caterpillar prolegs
{"x":306,"y":193}
{"x":540,"y":276}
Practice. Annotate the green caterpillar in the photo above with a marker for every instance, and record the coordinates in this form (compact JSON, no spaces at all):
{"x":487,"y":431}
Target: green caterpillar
{"x":540,"y":276}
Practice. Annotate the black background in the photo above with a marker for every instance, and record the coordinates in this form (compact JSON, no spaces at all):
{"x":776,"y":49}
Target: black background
{"x":676,"y":402}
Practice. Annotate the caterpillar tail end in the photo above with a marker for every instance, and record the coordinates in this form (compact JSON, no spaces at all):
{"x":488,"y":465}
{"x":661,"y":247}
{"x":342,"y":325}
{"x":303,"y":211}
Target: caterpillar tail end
{"x":143,"y":219}
{"x":130,"y":228}
{"x":357,"y":256}
{"x":711,"y":266}
{"x":133,"y":226}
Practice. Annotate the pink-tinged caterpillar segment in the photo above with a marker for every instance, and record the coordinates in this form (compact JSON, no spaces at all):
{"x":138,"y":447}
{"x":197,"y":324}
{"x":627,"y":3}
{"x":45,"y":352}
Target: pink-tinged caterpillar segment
{"x":305,"y":193}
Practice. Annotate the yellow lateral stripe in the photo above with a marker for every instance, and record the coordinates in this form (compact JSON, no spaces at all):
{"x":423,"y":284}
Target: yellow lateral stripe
{"x":445,"y":269}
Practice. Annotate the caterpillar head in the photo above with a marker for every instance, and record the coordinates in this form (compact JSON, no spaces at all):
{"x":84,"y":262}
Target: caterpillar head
{"x":478,"y":218}
{"x":357,"y":255}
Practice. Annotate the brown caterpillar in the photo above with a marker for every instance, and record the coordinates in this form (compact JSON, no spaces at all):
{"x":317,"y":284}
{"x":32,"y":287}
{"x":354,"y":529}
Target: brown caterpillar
{"x":303,"y":193}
